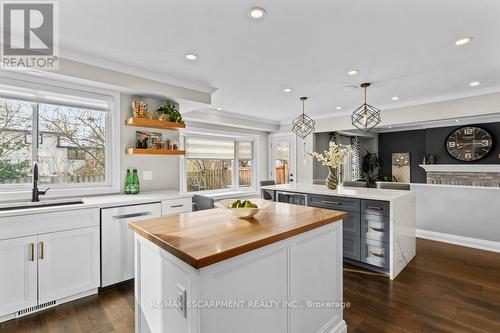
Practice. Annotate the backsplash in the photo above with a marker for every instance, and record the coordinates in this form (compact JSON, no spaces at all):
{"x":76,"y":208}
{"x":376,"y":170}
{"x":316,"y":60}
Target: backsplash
{"x":489,"y":179}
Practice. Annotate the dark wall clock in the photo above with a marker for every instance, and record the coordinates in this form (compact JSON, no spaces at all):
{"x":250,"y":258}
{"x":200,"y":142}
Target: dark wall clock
{"x":469,"y":143}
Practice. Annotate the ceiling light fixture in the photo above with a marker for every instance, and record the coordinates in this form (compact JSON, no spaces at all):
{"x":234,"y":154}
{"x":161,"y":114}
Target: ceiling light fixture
{"x":395,"y":98}
{"x":287,"y":90}
{"x":474,"y":83}
{"x":353,"y":72}
{"x":191,"y":56}
{"x":338,"y":108}
{"x":303,"y":125}
{"x":463,"y":41}
{"x":366,"y":116}
{"x":219,"y":109}
{"x":257,"y":13}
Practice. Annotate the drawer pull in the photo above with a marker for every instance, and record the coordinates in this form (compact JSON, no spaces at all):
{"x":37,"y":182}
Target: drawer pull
{"x":331,"y":202}
{"x":380,"y":255}
{"x":32,"y":246}
{"x":176,"y":206}
{"x":374,"y":207}
{"x":376,"y":229}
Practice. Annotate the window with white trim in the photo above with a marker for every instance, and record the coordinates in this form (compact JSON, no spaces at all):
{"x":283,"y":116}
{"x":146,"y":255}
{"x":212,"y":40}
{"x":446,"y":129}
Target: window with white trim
{"x":74,"y":145}
{"x":219,"y":164}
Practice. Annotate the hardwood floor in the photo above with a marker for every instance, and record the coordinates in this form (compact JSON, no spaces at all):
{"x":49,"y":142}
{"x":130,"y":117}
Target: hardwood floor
{"x":446,"y":288}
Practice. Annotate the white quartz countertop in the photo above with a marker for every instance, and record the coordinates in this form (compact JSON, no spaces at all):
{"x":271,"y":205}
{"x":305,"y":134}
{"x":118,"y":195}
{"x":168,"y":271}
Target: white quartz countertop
{"x":101,"y":201}
{"x":351,"y":192}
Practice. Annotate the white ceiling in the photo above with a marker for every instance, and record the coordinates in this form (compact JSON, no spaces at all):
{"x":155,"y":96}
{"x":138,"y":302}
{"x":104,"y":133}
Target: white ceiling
{"x":406,"y":48}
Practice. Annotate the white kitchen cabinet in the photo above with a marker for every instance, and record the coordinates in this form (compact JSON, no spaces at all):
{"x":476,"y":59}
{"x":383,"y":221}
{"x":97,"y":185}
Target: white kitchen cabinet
{"x":68,"y":263}
{"x":118,"y":240}
{"x":18,"y":275}
{"x":41,"y":269}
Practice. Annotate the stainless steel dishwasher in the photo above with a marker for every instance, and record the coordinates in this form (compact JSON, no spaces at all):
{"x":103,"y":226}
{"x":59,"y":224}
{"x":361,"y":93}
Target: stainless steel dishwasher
{"x":117,"y":240}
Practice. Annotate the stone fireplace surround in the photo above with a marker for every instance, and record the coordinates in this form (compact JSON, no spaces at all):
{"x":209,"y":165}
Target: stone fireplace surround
{"x":463,"y":174}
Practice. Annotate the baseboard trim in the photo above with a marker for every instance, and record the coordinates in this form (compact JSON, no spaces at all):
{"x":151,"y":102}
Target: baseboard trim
{"x":474,"y":243}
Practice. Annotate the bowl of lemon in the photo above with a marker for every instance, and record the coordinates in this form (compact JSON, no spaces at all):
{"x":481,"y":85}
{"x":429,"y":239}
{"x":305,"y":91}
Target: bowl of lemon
{"x":243,"y":209}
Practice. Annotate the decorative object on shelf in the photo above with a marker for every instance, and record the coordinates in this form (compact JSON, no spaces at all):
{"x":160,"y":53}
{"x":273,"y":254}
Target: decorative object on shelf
{"x":175,"y":145}
{"x":401,"y":170}
{"x":303,"y":125}
{"x":371,"y":166}
{"x":169,"y":110}
{"x":139,"y":109}
{"x":366,"y":116}
{"x":149,"y":140}
{"x":333,"y":159}
{"x":469,"y":143}
{"x":429,"y":159}
{"x":356,"y":157}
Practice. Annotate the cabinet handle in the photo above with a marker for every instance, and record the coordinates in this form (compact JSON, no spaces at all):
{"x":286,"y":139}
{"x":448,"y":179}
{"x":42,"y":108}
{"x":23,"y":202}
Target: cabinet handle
{"x":376,"y":229}
{"x":380,"y":255}
{"x":32,"y":246}
{"x":176,"y":206}
{"x":331,"y":202}
{"x":374,"y":207}
{"x":41,"y":250}
{"x":131,"y":215}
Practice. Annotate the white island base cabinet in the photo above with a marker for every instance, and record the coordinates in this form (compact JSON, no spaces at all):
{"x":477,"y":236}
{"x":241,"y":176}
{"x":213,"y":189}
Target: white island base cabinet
{"x":45,"y":269}
{"x":292,"y":286}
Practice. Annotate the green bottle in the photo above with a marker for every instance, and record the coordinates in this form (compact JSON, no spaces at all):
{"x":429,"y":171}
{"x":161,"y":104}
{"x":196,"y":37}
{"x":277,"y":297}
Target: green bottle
{"x":128,"y":182}
{"x":135,"y":182}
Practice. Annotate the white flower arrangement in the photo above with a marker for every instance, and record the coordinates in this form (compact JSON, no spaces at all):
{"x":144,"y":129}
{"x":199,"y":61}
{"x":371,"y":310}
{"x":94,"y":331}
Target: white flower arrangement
{"x":334,"y":156}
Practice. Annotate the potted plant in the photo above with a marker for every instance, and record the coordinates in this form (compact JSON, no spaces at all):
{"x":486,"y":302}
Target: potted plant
{"x":333,"y":158}
{"x":169,"y":112}
{"x":371,"y":165}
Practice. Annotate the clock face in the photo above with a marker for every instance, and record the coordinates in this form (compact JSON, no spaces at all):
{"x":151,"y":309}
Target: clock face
{"x":469,"y":143}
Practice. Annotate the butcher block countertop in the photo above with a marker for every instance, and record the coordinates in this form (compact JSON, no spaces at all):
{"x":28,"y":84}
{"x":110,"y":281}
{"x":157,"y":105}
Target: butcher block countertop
{"x":205,"y":237}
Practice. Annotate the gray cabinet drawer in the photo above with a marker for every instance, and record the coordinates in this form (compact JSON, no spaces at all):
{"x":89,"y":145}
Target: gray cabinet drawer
{"x":351,"y":225}
{"x":375,"y":207}
{"x":352,"y":247}
{"x":375,"y":253}
{"x":331,"y":202}
{"x":375,"y":227}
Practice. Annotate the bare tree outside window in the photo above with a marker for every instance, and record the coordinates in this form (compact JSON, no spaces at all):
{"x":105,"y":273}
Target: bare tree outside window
{"x":15,"y":150}
{"x":72,"y":129}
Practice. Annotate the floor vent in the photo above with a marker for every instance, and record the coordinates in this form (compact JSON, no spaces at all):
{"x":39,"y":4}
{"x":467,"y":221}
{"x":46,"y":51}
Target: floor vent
{"x":35,"y":308}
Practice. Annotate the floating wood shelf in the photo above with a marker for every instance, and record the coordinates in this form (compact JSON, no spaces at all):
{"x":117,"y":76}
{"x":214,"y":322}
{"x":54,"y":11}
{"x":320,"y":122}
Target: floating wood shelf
{"x":143,"y":151}
{"x":142,"y":122}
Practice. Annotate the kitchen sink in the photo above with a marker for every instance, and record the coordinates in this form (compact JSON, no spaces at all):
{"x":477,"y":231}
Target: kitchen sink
{"x":14,"y":205}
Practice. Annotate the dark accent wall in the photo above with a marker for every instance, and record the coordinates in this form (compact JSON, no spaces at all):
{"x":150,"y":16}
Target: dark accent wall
{"x":429,"y":141}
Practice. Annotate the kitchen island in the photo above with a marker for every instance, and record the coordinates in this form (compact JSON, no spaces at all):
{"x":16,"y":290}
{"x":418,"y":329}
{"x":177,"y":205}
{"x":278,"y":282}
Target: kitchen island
{"x":379,"y":232}
{"x":209,"y":272}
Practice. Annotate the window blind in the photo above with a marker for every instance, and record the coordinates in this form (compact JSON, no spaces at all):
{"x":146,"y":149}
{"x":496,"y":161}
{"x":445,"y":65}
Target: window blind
{"x":209,"y":149}
{"x":245,"y":150}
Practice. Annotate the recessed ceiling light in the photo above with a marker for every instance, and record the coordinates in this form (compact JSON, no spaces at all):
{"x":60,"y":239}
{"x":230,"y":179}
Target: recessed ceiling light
{"x":395,"y":98}
{"x":191,"y":56}
{"x":256,"y":13}
{"x":463,"y":41}
{"x":457,"y":120}
{"x":474,"y":83}
{"x":339,"y":108}
{"x":287,"y":90}
{"x":390,"y":126}
{"x":219,"y":109}
{"x":353,"y":72}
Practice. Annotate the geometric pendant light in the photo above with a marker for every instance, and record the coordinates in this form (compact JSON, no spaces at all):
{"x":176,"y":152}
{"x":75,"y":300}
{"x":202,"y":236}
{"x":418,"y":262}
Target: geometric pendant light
{"x":303,"y":125}
{"x":366,"y":116}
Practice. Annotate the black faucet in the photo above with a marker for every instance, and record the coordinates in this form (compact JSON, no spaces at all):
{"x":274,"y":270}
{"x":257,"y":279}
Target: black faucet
{"x":36,"y":193}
